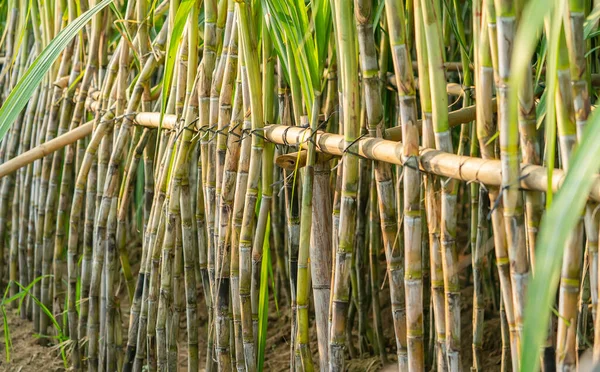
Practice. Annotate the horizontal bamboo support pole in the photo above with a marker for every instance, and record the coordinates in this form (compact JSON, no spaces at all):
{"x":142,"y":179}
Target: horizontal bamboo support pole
{"x":146,"y":119}
{"x":45,"y":149}
{"x":464,"y":168}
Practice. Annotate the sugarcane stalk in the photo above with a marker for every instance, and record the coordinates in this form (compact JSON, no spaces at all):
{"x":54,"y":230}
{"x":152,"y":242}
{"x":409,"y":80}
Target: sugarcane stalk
{"x":136,"y":326}
{"x":566,"y":346}
{"x":320,"y":256}
{"x":432,"y":200}
{"x":443,"y":141}
{"x":509,"y":154}
{"x":207,"y":66}
{"x":505,"y":361}
{"x":247,"y":35}
{"x":268,"y":82}
{"x":292,"y":208}
{"x":160,"y":293}
{"x":56,"y":207}
{"x":574,"y":34}
{"x":187,"y":237}
{"x":374,"y":113}
{"x":222,"y":238}
{"x":374,"y":249}
{"x":477,"y":255}
{"x":278,"y":229}
{"x":78,"y":114}
{"x":165,"y":297}
{"x":242,"y":140}
{"x":306,"y":223}
{"x":345,"y":34}
{"x":44,"y":250}
{"x":359,"y":275}
{"x":485,"y":130}
{"x":13,"y":246}
{"x":210,"y":85}
{"x":413,"y":276}
{"x":136,"y":349}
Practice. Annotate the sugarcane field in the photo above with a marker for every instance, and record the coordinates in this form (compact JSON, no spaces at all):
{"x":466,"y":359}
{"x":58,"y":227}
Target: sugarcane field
{"x":299,"y":185}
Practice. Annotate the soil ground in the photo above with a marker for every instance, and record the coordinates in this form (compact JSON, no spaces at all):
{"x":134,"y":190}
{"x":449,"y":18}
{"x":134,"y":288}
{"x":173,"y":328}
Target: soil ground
{"x":26,"y":353}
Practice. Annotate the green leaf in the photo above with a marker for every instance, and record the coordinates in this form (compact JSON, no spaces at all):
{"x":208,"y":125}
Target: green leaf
{"x":551,"y":77}
{"x":378,"y":13}
{"x":179,"y":24}
{"x":322,"y":24}
{"x":591,"y":22}
{"x":558,"y":223}
{"x":547,"y":257}
{"x":24,"y":89}
{"x":263,"y":299}
{"x":455,"y":29}
{"x":540,"y":109}
{"x":124,"y":32}
{"x":7,"y":340}
{"x":289,"y":26}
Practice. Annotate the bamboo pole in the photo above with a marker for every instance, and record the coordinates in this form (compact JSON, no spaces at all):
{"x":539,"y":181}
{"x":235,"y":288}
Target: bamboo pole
{"x":46,"y":148}
{"x":463,"y":168}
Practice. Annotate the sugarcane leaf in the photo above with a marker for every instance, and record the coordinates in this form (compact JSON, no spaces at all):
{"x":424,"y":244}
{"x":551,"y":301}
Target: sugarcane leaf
{"x":322,"y":25}
{"x":49,"y":315}
{"x":542,"y":53}
{"x":550,"y":120}
{"x":291,"y":31}
{"x":181,"y":17}
{"x":556,"y":226}
{"x":558,"y":223}
{"x":34,"y":75}
{"x":378,"y":14}
{"x":77,"y":294}
{"x":263,"y":302}
{"x":21,"y":32}
{"x":7,"y":339}
{"x":25,"y":290}
{"x":272,"y":277}
{"x":278,"y":38}
{"x":540,"y":109}
{"x":124,"y":32}
{"x":591,"y":22}
{"x":589,"y":52}
{"x":455,"y":30}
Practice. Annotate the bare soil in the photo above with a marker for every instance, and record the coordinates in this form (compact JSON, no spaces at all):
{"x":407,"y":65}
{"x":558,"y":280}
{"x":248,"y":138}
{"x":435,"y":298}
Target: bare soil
{"x":26,"y":353}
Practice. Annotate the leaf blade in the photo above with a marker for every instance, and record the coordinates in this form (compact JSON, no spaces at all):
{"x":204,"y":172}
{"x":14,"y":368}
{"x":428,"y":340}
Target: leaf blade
{"x":24,"y":89}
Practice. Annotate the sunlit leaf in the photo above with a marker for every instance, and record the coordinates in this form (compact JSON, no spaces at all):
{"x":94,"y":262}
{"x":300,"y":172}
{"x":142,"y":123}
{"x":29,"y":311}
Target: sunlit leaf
{"x":24,"y":89}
